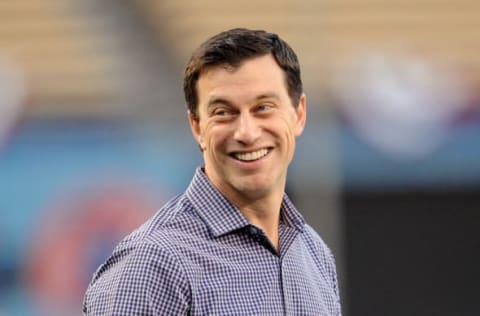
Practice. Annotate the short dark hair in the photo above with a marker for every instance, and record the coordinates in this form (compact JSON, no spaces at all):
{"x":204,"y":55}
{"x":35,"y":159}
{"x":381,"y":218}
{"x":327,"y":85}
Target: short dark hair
{"x":232,"y":48}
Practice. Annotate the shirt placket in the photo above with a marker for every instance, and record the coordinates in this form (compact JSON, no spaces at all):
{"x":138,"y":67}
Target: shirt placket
{"x":258,"y":236}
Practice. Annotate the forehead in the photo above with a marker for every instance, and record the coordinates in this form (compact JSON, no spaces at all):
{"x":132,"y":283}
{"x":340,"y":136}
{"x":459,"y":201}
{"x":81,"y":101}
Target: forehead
{"x":258,"y":75}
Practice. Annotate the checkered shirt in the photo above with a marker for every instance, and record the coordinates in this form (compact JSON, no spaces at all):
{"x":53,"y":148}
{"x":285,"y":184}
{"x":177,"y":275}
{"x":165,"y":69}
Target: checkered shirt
{"x":199,"y":255}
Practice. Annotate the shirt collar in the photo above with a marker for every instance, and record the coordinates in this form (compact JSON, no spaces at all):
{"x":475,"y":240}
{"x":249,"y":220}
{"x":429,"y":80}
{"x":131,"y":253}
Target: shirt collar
{"x":290,"y":215}
{"x":220,"y":215}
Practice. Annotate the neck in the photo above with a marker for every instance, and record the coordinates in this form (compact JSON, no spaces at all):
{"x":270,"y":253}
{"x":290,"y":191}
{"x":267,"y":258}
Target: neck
{"x":265,"y":214}
{"x":261,"y":208}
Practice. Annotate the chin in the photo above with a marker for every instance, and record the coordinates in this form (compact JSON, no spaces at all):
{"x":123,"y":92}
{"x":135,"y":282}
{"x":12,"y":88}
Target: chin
{"x":254,"y":187}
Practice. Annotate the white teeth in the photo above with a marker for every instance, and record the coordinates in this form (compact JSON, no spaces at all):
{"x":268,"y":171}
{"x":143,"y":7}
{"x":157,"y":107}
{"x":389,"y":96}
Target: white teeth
{"x":251,"y":156}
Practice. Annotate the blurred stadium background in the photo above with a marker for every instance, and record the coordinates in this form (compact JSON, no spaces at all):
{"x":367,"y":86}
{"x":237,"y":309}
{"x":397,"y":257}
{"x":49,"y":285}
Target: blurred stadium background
{"x":94,"y":138}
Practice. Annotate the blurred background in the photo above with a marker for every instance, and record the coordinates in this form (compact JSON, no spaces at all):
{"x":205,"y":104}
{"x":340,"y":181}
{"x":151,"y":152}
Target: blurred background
{"x":94,"y":139}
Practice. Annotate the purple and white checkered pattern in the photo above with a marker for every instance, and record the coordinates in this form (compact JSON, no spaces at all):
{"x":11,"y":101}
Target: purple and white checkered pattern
{"x":200,"y":256}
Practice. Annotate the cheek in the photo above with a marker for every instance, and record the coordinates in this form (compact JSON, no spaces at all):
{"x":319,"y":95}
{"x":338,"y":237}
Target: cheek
{"x":205,"y":132}
{"x":290,"y":143}
{"x":287,"y":128}
{"x":214,"y":136}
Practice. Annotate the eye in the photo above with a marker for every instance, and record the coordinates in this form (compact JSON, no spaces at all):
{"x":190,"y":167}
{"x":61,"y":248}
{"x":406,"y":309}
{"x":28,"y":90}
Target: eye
{"x":219,"y":112}
{"x":263,"y":107}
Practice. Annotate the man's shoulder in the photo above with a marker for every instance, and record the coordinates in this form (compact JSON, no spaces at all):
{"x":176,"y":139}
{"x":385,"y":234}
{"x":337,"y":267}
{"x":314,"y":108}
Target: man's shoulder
{"x":174,"y":219}
{"x":143,"y":255}
{"x":139,"y":278}
{"x":316,"y":244}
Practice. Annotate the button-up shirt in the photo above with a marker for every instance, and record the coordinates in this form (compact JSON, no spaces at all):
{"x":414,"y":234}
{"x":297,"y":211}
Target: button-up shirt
{"x":199,"y":255}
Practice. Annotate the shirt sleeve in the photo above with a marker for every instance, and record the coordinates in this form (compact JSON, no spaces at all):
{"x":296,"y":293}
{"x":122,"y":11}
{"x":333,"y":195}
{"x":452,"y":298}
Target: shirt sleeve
{"x":146,"y":280}
{"x":326,"y":261}
{"x":333,"y":274}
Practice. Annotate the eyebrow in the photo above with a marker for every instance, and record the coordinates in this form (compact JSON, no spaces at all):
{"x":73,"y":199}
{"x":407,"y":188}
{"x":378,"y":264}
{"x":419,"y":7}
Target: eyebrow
{"x":270,"y":95}
{"x":221,"y":100}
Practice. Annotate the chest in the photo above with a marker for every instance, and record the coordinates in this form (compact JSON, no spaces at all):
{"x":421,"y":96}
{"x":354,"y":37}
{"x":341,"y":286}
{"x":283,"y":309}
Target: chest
{"x":240,"y":276}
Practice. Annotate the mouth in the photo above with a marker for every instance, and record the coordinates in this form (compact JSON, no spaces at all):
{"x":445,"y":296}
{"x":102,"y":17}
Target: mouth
{"x":251,"y":156}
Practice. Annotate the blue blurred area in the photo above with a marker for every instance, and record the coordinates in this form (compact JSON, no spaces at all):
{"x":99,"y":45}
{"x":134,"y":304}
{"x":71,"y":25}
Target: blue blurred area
{"x":47,"y":159}
{"x":47,"y":156}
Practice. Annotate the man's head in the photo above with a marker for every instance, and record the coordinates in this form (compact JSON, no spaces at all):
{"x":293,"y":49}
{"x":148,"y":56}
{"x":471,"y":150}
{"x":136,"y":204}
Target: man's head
{"x":231,"y":49}
{"x":247,"y":108}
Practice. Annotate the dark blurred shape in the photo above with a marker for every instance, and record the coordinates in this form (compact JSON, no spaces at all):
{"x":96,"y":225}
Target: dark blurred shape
{"x":413,"y":252}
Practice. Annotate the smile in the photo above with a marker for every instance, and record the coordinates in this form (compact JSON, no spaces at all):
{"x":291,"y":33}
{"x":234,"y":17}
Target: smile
{"x":251,"y":156}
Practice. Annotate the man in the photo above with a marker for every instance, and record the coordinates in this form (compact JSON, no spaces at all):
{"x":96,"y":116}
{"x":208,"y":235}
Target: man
{"x":233,"y":243}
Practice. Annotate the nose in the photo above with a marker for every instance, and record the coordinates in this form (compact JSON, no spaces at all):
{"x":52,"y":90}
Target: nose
{"x":247,"y":129}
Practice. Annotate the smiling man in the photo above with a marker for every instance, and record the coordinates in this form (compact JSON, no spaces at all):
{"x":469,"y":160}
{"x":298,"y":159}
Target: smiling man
{"x":233,"y":243}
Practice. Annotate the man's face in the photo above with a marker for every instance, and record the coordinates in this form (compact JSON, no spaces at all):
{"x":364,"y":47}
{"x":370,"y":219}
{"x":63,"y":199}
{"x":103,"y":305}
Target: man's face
{"x":247,"y":128}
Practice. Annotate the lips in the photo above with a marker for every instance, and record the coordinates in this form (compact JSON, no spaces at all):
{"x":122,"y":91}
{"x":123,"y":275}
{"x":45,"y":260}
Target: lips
{"x":250,"y":156}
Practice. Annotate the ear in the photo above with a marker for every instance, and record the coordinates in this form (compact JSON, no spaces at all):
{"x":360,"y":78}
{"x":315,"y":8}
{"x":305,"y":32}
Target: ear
{"x":301,"y":113}
{"x":196,"y":131}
